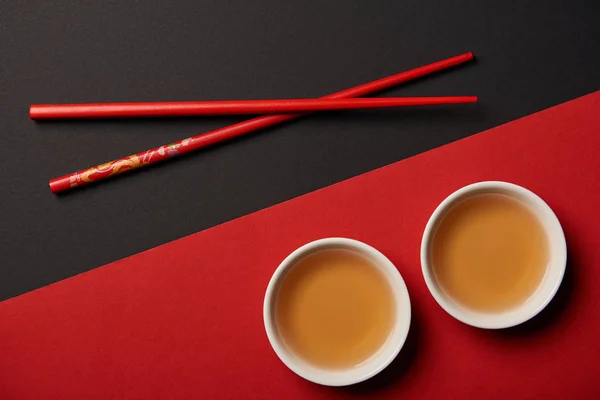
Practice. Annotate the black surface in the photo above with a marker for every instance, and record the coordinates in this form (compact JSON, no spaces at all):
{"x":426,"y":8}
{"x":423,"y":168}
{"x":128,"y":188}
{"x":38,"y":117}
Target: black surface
{"x":531,"y":55}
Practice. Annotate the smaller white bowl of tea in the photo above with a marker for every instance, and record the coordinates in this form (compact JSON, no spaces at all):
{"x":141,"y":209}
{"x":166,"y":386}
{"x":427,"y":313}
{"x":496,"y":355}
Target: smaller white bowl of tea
{"x":493,"y":254}
{"x":336,"y":311}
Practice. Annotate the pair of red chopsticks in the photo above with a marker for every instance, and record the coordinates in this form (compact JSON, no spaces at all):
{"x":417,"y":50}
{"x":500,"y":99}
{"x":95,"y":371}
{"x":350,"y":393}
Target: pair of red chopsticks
{"x":337,"y":101}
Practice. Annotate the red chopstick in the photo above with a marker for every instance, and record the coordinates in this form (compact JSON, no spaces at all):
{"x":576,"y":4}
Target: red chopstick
{"x":197,"y":108}
{"x":194,"y":143}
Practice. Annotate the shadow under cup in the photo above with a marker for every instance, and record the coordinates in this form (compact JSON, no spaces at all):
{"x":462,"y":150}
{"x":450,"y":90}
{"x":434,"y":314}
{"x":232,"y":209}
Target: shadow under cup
{"x":547,"y":282}
{"x":382,"y":356}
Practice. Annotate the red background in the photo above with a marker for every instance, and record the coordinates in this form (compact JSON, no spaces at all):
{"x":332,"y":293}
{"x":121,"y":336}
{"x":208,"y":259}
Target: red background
{"x":184,"y":320}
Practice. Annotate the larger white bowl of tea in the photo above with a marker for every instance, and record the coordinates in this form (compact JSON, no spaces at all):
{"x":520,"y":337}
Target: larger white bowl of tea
{"x":493,"y":254}
{"x":336,"y":311}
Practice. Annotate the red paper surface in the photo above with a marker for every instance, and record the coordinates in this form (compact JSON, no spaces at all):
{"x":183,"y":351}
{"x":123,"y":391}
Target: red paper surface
{"x":184,"y":320}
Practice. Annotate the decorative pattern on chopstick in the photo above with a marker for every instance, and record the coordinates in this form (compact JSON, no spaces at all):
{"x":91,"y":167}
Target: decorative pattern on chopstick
{"x":133,"y":161}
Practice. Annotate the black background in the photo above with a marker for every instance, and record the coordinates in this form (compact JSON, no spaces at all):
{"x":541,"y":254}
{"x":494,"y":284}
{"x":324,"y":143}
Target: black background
{"x":530,"y":55}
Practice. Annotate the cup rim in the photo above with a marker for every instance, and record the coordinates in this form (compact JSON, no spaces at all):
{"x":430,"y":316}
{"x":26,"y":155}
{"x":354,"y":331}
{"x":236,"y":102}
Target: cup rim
{"x":550,"y":282}
{"x":376,"y":363}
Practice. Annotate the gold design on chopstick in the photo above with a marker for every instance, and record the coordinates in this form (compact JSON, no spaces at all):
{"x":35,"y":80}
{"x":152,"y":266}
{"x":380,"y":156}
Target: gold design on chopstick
{"x":110,"y":168}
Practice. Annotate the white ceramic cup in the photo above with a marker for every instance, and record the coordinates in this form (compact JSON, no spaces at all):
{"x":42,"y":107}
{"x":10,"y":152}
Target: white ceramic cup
{"x":378,"y":361}
{"x":550,"y":282}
